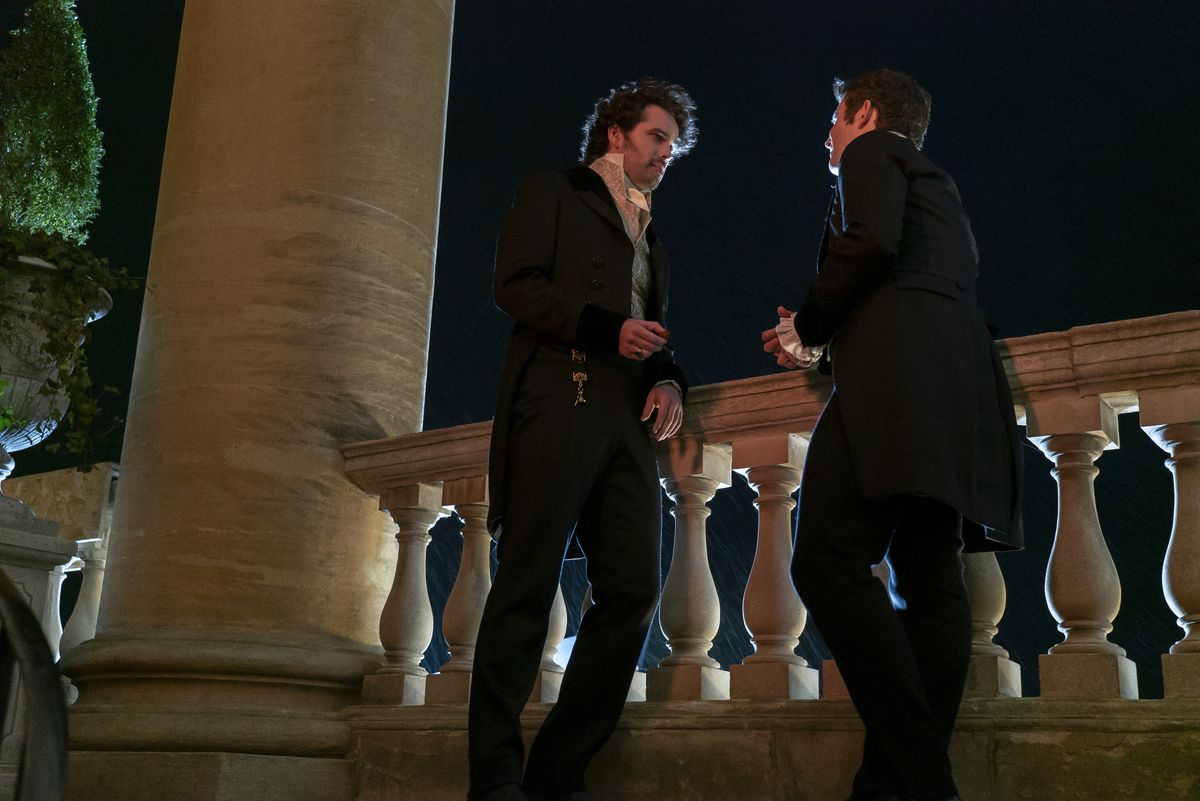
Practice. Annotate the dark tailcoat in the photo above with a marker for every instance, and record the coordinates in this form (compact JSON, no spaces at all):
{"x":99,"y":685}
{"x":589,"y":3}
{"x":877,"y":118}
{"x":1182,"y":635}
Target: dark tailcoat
{"x":917,"y":443}
{"x":560,"y":470}
{"x":563,"y":275}
{"x":925,"y":400}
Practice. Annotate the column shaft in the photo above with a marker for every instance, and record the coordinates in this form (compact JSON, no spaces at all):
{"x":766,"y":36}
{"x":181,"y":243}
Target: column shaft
{"x":290,"y":281}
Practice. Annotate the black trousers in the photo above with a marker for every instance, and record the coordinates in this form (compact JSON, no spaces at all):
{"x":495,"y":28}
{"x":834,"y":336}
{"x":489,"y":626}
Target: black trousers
{"x":903,"y":654}
{"x":591,"y":469}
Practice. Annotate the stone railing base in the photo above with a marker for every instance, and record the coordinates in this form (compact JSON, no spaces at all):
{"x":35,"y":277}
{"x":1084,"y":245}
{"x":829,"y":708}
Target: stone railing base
{"x":1087,"y":676}
{"x":394,"y":688}
{"x":833,"y":686}
{"x":181,"y":776}
{"x":1028,"y":749}
{"x":993,"y":677}
{"x":547,"y":685}
{"x":687,"y":683}
{"x":773,"y":681}
{"x":1181,"y":675}
{"x":448,"y":688}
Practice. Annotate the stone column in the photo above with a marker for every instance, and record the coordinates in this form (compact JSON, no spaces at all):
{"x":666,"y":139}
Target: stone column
{"x":464,"y":607}
{"x":1082,"y":586}
{"x":1171,"y":418}
{"x":991,"y":674}
{"x":290,"y":285}
{"x":772,"y":610}
{"x":690,"y":612}
{"x":406,"y":625}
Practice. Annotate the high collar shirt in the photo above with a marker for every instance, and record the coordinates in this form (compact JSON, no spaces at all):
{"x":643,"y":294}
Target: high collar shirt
{"x":634,"y":205}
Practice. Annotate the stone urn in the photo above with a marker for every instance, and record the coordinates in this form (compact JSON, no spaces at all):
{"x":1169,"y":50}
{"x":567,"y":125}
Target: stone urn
{"x":24,"y":369}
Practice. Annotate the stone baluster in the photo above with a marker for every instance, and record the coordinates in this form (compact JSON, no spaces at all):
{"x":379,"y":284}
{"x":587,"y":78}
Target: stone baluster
{"x":1082,"y":586}
{"x":690,"y":613}
{"x":81,"y":626}
{"x":772,"y":610}
{"x":406,"y":624}
{"x":991,"y":674}
{"x":464,"y":606}
{"x":52,"y":625}
{"x":550,"y":674}
{"x":1171,"y":418}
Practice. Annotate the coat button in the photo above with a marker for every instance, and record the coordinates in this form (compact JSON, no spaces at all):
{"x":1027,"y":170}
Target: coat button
{"x":597,"y":283}
{"x":598,"y":263}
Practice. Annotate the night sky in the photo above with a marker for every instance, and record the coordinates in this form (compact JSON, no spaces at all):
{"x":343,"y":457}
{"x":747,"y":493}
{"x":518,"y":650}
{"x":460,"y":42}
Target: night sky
{"x":1069,"y":127}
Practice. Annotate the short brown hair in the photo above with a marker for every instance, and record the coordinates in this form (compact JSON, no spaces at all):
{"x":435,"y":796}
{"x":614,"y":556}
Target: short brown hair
{"x":623,"y":107}
{"x":901,"y":102}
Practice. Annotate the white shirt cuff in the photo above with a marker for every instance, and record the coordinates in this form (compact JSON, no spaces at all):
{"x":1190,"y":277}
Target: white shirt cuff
{"x":789,"y":340}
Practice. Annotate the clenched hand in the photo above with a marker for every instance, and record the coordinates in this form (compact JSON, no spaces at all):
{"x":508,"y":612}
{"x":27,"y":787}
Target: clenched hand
{"x":640,"y":338}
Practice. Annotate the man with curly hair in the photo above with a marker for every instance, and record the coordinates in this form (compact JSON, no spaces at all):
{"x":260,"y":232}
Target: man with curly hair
{"x":583,"y":276}
{"x":916,"y":452}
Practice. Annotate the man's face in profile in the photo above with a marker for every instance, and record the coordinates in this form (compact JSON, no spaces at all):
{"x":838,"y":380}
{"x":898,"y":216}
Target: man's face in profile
{"x":647,"y":147}
{"x":845,"y":127}
{"x":839,"y":133}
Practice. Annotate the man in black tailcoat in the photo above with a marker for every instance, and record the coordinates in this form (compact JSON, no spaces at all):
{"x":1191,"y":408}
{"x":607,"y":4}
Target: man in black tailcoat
{"x":583,"y":276}
{"x":917,"y":450}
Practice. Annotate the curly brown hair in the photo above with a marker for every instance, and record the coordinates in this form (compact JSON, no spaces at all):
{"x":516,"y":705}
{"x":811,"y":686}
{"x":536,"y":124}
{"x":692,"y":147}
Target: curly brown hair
{"x":902,"y":104}
{"x":624,"y":105}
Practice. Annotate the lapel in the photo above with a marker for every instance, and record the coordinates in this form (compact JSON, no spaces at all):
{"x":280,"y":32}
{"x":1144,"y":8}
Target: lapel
{"x":829,"y":215}
{"x":595,"y":194}
{"x":658,"y":269}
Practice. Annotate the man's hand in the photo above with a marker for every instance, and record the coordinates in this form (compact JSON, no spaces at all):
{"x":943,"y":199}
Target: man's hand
{"x":640,"y":338}
{"x":665,"y":398}
{"x":773,"y":346}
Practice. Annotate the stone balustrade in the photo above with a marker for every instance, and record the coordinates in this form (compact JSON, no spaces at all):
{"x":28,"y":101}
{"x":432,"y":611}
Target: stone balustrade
{"x":1069,"y":389}
{"x":81,"y":504}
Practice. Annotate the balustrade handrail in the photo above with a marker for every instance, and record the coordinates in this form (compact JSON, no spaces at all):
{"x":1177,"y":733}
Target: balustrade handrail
{"x":1114,"y":361}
